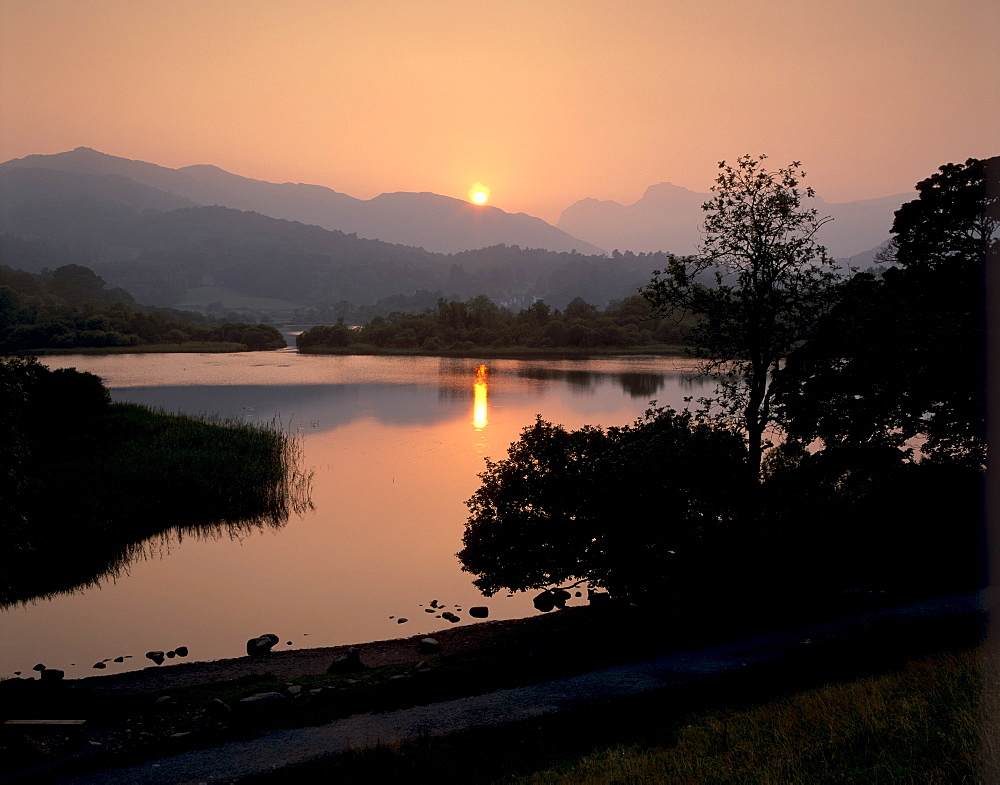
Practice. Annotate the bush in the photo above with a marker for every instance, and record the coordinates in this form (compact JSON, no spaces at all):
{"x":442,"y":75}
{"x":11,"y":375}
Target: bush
{"x":637,"y":510}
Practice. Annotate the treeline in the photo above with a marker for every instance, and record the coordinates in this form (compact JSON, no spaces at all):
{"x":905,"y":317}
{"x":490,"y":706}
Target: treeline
{"x":160,"y":256}
{"x":479,"y":323}
{"x":71,"y":307}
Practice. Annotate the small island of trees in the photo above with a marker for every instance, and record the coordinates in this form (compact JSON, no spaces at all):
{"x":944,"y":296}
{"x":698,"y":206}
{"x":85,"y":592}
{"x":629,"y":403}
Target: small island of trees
{"x":480,"y":327}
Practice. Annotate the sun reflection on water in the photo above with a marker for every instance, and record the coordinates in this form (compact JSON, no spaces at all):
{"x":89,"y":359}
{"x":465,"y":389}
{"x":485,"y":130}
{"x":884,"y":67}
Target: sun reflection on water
{"x":479,"y":419}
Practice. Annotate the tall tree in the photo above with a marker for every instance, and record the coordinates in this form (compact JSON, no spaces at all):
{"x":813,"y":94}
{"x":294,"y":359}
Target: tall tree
{"x":904,"y":354}
{"x":756,"y":287}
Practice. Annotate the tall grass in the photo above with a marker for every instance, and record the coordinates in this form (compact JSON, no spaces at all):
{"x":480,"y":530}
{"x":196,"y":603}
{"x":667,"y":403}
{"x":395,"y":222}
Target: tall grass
{"x":917,"y":724}
{"x":99,"y":493}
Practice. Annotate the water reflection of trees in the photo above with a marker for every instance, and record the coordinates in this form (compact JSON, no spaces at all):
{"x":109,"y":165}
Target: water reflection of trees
{"x":638,"y":384}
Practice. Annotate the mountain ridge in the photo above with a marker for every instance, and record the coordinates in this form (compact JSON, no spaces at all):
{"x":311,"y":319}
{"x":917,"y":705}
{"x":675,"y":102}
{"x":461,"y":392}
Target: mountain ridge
{"x":669,"y":217}
{"x":445,"y":224}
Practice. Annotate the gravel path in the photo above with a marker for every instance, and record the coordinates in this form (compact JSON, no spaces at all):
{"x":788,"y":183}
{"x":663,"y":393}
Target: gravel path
{"x":284,"y":748}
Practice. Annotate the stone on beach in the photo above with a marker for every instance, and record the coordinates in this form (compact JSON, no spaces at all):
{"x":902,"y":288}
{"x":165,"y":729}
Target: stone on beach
{"x":262,"y":644}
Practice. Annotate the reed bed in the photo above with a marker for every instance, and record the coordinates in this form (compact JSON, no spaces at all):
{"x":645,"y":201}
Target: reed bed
{"x":135,"y":480}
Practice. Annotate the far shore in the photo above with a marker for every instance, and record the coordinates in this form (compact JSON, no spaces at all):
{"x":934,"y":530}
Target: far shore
{"x":513,"y":353}
{"x":476,"y":352}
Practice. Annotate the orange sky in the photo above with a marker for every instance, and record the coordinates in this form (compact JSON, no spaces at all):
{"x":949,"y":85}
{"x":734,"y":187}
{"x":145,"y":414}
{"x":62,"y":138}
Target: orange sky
{"x":544,"y":101}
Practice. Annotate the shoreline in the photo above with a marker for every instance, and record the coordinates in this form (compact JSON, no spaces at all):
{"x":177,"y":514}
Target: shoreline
{"x":301,"y":662}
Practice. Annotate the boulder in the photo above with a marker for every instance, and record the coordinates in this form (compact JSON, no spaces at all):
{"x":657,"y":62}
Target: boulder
{"x":119,"y":659}
{"x":347,"y":662}
{"x":155,"y":656}
{"x":429,"y":645}
{"x":181,"y":651}
{"x":51,"y":674}
{"x":38,"y":667}
{"x":544,"y":601}
{"x":261,"y":645}
{"x":402,"y":620}
{"x":99,"y":665}
{"x":479,"y":612}
{"x":449,"y":616}
{"x":171,"y":654}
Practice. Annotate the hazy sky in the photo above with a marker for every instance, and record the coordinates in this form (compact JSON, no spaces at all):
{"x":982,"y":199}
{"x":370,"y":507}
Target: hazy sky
{"x":544,"y":101}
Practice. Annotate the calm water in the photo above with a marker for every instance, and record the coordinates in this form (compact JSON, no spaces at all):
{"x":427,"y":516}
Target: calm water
{"x":395,"y":445}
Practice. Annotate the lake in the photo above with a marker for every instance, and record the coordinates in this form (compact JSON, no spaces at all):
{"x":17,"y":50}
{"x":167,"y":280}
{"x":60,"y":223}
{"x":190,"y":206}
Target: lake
{"x":395,"y":445}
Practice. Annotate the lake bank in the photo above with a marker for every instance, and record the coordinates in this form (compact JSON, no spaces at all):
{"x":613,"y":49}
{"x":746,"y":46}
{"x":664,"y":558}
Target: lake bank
{"x":396,"y":444}
{"x":545,"y":651}
{"x":498,"y":353}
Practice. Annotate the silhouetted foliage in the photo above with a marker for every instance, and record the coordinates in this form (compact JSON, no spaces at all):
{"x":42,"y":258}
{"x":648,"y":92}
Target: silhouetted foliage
{"x":635,"y":509}
{"x":772,"y":282}
{"x":903,"y":354}
{"x":71,"y":308}
{"x":83,"y":482}
{"x":855,"y":370}
{"x":479,"y":322}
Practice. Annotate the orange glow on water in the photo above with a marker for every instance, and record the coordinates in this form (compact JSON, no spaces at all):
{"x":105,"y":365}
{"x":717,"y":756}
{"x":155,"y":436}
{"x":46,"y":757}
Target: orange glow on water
{"x":479,"y":419}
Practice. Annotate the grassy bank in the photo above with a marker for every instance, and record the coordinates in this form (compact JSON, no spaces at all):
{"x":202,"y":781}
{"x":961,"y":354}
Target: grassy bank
{"x":97,"y":487}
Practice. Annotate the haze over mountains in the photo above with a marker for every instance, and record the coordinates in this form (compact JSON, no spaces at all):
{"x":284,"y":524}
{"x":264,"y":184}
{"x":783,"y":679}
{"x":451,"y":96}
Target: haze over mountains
{"x":200,"y":237}
{"x":669,"y":217}
{"x":424,"y":220}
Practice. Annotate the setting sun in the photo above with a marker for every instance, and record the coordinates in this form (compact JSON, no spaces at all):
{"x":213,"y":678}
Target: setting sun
{"x":479,"y":194}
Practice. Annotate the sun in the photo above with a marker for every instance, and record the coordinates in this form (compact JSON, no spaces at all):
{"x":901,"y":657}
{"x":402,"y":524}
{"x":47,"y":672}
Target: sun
{"x":479,"y":194}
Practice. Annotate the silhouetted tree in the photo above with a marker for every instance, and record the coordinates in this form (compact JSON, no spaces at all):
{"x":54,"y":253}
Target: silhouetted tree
{"x":635,"y":509}
{"x":772,"y":280}
{"x":904,"y":354}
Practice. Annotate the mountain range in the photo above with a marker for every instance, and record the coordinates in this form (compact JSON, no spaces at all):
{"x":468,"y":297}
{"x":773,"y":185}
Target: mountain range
{"x":436,"y":223}
{"x":669,"y":217}
{"x":200,"y":237}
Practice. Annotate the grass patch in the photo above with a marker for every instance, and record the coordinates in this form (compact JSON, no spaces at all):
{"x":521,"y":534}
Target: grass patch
{"x":916,"y":724}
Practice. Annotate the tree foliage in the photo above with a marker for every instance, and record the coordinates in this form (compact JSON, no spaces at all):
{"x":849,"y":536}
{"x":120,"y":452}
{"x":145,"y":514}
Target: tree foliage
{"x":70,"y":308}
{"x":772,"y":280}
{"x":479,"y":322}
{"x":903,"y":355}
{"x":634,"y":509}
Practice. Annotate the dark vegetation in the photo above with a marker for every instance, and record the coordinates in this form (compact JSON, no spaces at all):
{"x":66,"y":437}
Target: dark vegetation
{"x":71,"y":308}
{"x":83,"y":482}
{"x":159,"y":257}
{"x":845,"y":447}
{"x":479,"y":323}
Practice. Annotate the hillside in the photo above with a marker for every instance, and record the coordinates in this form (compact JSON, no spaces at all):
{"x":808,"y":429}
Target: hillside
{"x":438,"y":223}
